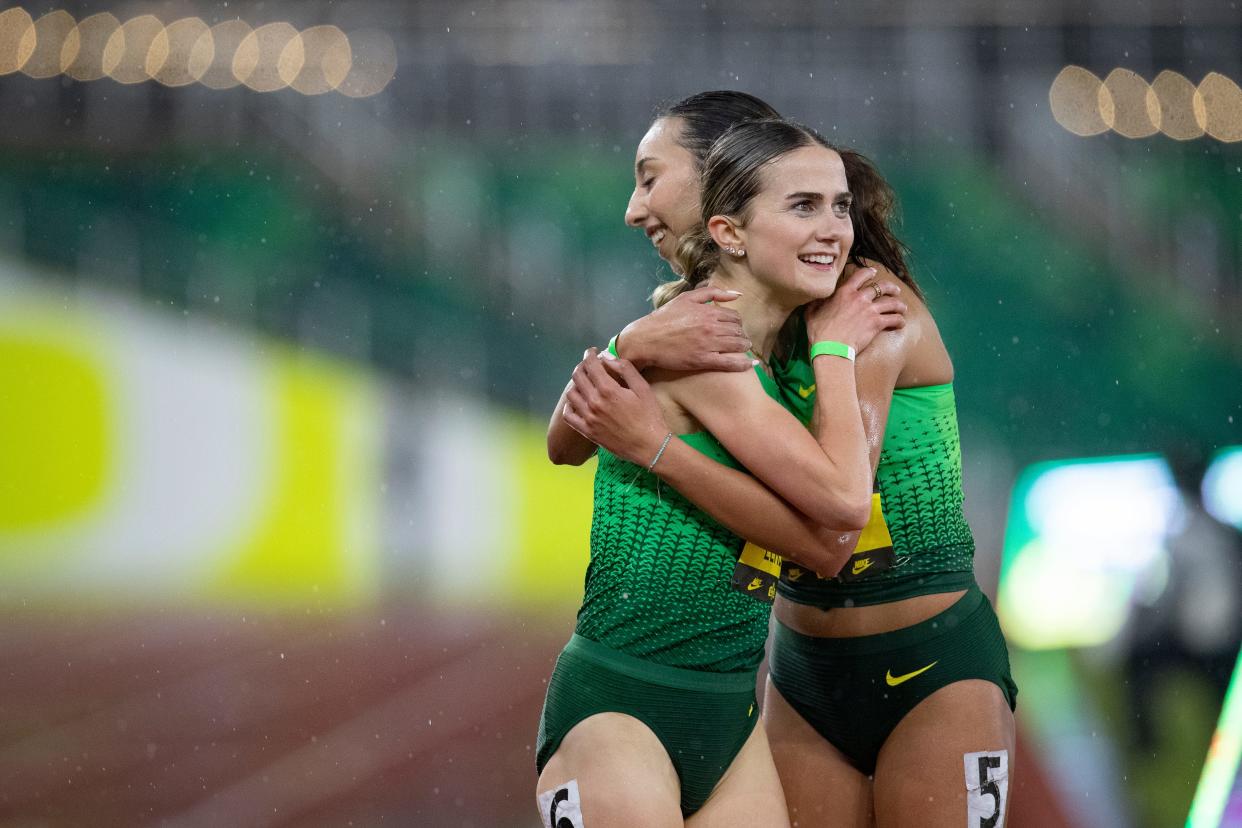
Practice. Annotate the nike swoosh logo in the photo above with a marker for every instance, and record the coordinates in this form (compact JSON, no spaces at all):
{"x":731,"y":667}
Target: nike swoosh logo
{"x":805,"y":392}
{"x":893,"y":681}
{"x":755,"y":584}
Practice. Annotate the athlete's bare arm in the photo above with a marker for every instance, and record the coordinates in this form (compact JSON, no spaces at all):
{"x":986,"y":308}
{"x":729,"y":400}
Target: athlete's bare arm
{"x":826,"y":476}
{"x":694,"y":332}
{"x":617,"y":407}
{"x":614,"y":405}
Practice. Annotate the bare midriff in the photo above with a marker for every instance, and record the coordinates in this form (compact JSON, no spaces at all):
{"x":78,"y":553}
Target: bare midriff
{"x":852,"y":622}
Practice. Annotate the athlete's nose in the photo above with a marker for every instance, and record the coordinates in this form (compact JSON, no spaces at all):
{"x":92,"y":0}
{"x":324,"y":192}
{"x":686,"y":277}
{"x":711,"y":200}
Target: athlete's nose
{"x":830,"y":228}
{"x":837,"y":229}
{"x":636,"y":210}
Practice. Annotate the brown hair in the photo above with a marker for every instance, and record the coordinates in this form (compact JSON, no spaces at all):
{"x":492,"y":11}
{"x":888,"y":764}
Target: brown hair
{"x":706,"y":116}
{"x":873,"y":211}
{"x":732,"y":177}
{"x":709,"y":115}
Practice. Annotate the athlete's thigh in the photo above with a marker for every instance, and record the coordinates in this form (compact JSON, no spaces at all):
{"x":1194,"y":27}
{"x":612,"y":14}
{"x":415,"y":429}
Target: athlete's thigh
{"x":748,"y":795}
{"x":620,"y":772}
{"x":821,"y":787}
{"x":962,"y":735}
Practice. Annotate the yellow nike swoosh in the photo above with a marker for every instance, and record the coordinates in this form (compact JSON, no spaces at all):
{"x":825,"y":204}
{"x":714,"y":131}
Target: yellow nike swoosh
{"x":893,"y":681}
{"x":805,"y":392}
{"x":755,"y":584}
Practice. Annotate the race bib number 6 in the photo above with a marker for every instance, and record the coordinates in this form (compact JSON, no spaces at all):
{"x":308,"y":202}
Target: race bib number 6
{"x":561,"y":807}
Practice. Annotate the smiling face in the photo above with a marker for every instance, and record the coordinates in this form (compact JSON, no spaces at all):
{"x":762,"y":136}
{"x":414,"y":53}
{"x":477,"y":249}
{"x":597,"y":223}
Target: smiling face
{"x":665,"y":201}
{"x":797,"y":231}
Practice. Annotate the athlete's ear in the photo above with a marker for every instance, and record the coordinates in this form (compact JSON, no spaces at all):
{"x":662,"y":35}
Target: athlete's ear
{"x":726,"y":233}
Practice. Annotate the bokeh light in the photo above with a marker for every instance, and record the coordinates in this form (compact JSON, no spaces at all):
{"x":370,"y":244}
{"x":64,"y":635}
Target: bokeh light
{"x":1171,"y":105}
{"x":1128,"y":116}
{"x":256,"y":62}
{"x":168,"y":60}
{"x":1075,"y":99}
{"x":317,"y":60}
{"x":17,"y":39}
{"x":374,"y":64}
{"x":273,"y":56}
{"x":51,"y":31}
{"x":125,"y":53}
{"x":1083,"y":533}
{"x":1222,"y":487}
{"x":211,"y":59}
{"x":82,"y":54}
{"x":1222,"y":107}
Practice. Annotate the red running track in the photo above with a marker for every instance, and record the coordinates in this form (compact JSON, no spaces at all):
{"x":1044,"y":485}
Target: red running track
{"x":382,"y":718}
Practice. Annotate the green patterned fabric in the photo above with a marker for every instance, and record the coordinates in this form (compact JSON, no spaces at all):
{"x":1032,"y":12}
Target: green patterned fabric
{"x":919,"y":480}
{"x":657,"y":587}
{"x":794,"y":376}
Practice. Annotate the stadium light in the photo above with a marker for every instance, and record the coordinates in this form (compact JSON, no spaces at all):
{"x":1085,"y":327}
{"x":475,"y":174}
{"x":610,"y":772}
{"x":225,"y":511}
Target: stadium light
{"x":1171,"y":104}
{"x":1125,"y":103}
{"x":125,"y":53}
{"x":1128,"y":115}
{"x":1076,"y":98}
{"x":51,"y":31}
{"x":256,"y":63}
{"x":82,"y":54}
{"x":1222,"y":107}
{"x":168,"y":59}
{"x":273,"y":56}
{"x":211,"y":59}
{"x":17,"y":39}
{"x":374,"y":64}
{"x":316,"y":61}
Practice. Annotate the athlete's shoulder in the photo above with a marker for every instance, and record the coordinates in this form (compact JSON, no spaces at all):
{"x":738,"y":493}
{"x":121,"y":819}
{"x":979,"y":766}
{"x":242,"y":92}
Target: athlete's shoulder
{"x":711,"y":381}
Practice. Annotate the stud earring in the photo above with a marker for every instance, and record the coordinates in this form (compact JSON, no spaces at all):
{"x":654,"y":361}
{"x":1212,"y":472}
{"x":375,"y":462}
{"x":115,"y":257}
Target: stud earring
{"x":735,"y":251}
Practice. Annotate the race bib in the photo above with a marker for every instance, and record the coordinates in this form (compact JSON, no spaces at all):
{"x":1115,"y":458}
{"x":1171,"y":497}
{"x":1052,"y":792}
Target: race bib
{"x":756,"y":572}
{"x":872,"y":554}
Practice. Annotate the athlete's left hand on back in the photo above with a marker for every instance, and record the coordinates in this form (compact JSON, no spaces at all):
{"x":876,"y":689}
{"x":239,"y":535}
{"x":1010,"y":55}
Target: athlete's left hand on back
{"x":613,"y":406}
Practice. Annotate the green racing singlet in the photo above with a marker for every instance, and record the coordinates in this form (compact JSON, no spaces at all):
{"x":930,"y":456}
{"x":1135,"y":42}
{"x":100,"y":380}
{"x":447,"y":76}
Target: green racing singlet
{"x":658,"y":584}
{"x":917,"y":541}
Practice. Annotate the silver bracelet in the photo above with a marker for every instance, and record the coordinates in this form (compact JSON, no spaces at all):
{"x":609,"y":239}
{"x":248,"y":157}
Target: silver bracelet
{"x":663,"y":446}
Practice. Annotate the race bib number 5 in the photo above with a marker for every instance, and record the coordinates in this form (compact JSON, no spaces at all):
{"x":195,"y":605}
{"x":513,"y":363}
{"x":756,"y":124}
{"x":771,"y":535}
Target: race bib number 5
{"x":987,"y":788}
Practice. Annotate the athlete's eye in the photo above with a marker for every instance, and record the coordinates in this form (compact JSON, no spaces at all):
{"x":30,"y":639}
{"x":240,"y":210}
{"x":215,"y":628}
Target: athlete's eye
{"x":842,"y":208}
{"x":803,"y":206}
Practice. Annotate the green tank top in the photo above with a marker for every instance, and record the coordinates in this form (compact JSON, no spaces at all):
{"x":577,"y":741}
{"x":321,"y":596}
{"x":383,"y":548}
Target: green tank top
{"x":918,"y":541}
{"x":657,"y":586}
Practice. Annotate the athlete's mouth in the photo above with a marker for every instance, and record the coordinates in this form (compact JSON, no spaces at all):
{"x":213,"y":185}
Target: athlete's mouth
{"x":657,"y":236}
{"x":818,"y":259}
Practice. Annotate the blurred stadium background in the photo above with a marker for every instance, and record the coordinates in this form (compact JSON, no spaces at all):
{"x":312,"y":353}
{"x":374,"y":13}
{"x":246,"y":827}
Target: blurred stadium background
{"x":287,"y":291}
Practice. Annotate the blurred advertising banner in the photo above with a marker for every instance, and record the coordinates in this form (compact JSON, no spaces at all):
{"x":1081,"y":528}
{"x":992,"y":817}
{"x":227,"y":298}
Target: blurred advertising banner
{"x":146,"y":456}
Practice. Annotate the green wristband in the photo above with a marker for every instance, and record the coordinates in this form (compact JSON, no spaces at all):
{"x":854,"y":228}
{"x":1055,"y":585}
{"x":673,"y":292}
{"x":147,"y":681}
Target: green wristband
{"x":829,"y":348}
{"x":612,"y":346}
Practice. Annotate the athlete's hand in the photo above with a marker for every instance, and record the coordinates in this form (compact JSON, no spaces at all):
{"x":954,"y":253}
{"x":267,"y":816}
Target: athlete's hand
{"x":688,"y":334}
{"x":860,"y":307}
{"x":613,"y":406}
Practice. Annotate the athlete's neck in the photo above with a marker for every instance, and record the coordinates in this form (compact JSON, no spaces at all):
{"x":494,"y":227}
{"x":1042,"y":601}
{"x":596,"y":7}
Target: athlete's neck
{"x":763,"y":310}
